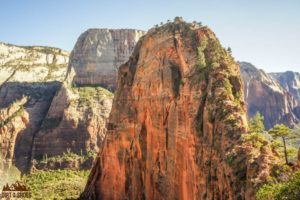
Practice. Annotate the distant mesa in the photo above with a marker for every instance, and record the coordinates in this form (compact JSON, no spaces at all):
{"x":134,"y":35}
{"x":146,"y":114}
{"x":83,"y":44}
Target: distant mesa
{"x":98,"y":53}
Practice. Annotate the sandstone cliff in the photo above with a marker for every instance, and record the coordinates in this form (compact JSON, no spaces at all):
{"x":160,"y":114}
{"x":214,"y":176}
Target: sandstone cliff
{"x":32,"y":63}
{"x":265,"y":95}
{"x":77,"y":118}
{"x":29,"y":79}
{"x":99,"y":52}
{"x":176,"y":123}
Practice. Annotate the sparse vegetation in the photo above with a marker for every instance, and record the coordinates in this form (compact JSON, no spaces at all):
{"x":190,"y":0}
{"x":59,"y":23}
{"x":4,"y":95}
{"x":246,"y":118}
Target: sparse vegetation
{"x":56,"y":184}
{"x":91,"y":93}
{"x":69,"y":156}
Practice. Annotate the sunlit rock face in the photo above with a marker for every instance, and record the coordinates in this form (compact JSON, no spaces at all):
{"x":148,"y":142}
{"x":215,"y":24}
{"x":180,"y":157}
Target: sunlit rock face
{"x":32,"y":63}
{"x":290,"y":81}
{"x":265,"y":95}
{"x":176,"y":123}
{"x":99,"y":52}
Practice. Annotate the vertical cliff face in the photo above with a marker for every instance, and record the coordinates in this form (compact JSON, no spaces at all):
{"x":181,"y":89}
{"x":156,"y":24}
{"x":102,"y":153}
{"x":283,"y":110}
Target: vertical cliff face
{"x":176,"y":123}
{"x":99,"y":52}
{"x":23,"y":107}
{"x":75,"y":122}
{"x":78,"y":114}
{"x":13,"y":120}
{"x":29,"y":79}
{"x":265,"y":95}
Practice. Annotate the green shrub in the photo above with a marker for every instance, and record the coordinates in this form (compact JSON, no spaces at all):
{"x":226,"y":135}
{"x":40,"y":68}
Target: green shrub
{"x":56,"y":184}
{"x":289,"y":190}
{"x":91,"y":93}
{"x":69,"y":156}
{"x":201,"y":54}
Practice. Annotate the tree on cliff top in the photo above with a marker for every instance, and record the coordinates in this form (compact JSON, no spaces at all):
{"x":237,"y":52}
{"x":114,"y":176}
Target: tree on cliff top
{"x":283,"y":132}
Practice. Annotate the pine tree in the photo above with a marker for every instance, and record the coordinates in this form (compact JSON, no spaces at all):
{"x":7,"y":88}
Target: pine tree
{"x":283,"y":132}
{"x":257,"y":124}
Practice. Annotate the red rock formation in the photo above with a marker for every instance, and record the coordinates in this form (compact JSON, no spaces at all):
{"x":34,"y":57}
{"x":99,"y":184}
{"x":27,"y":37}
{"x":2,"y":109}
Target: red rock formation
{"x":176,"y":123}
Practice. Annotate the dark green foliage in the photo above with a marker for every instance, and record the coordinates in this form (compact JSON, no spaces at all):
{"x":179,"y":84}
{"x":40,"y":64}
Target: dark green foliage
{"x":201,"y":62}
{"x":256,"y":139}
{"x":284,"y":133}
{"x":289,"y":190}
{"x":229,"y":50}
{"x":51,"y":122}
{"x":256,"y":124}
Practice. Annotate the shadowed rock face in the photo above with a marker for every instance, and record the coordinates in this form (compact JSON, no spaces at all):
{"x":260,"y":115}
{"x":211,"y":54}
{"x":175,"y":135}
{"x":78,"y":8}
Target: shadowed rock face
{"x":265,"y":95}
{"x":23,"y":108}
{"x":29,"y":78}
{"x":99,"y":52}
{"x":176,"y":123}
{"x":75,"y":121}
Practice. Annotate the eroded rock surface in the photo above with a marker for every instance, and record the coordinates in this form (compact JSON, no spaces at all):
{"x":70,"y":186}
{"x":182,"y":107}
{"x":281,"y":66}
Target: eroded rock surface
{"x":265,"y":95}
{"x":23,"y":108}
{"x":32,"y":63}
{"x":99,"y":52}
{"x":176,"y":123}
{"x":76,"y":121}
{"x":29,"y":78}
{"x":77,"y":118}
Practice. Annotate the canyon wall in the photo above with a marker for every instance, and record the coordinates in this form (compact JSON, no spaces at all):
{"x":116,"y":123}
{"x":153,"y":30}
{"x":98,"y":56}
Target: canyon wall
{"x":265,"y":95}
{"x":29,"y":78}
{"x":77,"y":117}
{"x":290,"y":81}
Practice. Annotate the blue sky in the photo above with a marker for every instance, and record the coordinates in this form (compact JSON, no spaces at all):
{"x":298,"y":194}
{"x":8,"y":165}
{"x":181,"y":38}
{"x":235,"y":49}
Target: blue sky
{"x":264,"y":32}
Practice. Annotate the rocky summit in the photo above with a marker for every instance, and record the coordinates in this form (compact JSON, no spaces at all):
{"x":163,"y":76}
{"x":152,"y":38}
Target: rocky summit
{"x":176,"y":124}
{"x":266,"y":95}
{"x":99,"y":52}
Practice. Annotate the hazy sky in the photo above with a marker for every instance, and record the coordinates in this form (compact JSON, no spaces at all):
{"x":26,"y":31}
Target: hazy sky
{"x":264,"y":32}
